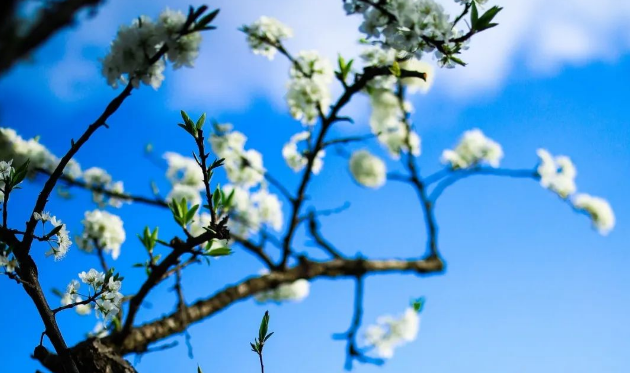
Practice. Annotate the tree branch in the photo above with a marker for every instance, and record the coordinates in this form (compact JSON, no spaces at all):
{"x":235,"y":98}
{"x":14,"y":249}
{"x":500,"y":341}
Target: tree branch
{"x":139,"y":338}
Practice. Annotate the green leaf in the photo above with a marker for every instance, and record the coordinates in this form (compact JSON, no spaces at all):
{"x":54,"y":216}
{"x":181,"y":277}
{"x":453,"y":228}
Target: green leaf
{"x":395,"y":69}
{"x":200,"y":121}
{"x":219,"y":251}
{"x":264,"y":325}
{"x":483,"y":23}
{"x":474,"y":16}
{"x":205,"y":20}
{"x":191,"y":213}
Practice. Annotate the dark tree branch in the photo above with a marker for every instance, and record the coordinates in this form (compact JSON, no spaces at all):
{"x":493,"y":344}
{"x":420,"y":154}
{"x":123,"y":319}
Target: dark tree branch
{"x":353,"y":352}
{"x":140,"y":337}
{"x":313,"y":227}
{"x":457,"y":175}
{"x":56,"y":15}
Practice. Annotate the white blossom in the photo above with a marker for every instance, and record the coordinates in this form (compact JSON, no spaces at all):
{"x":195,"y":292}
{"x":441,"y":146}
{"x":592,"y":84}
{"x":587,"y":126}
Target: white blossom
{"x":14,"y":147}
{"x":417,"y":84}
{"x":6,"y":169}
{"x":183,"y":191}
{"x":107,"y":293}
{"x":99,"y":331}
{"x":406,"y":24}
{"x":98,"y":178}
{"x":244,"y":216}
{"x":390,"y":332}
{"x":183,"y":170}
{"x":59,"y":242}
{"x":598,"y":209}
{"x":93,"y":278}
{"x":556,"y":173}
{"x":132,"y":53}
{"x":269,"y":208}
{"x":82,"y":309}
{"x":473,"y":149}
{"x":264,"y":34}
{"x":182,"y":50}
{"x":296,"y":159}
{"x":387,"y":122}
{"x":9,"y":264}
{"x":308,"y":91}
{"x":243,"y":167}
{"x":105,"y":229}
{"x":367,"y":169}
{"x":294,"y":291}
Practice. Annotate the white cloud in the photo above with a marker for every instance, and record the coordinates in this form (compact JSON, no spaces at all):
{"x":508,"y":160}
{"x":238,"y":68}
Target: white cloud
{"x":541,"y":35}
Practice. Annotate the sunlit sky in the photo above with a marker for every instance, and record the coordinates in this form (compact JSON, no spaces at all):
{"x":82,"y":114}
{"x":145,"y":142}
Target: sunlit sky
{"x":529,"y":286}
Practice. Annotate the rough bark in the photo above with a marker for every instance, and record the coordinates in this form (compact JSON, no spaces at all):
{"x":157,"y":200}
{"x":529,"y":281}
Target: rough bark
{"x":91,"y":356}
{"x":105,"y":355}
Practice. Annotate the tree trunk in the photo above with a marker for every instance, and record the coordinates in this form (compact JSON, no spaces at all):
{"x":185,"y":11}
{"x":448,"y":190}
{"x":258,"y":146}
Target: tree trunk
{"x":91,"y":356}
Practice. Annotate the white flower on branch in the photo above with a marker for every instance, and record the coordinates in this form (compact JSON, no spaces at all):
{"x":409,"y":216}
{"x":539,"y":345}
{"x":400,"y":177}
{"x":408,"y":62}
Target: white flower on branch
{"x":182,"y":50}
{"x":294,"y":291}
{"x":82,"y":309}
{"x":14,"y":147}
{"x":296,"y":159}
{"x":93,"y":278}
{"x":391,"y":332}
{"x":556,"y":173}
{"x":103,"y":229}
{"x":264,"y":34}
{"x":269,"y":208}
{"x":183,"y":170}
{"x":105,"y":294}
{"x":417,"y":84}
{"x":387,"y":122}
{"x":97,"y":177}
{"x":598,"y":209}
{"x":135,"y":45}
{"x":474,"y":148}
{"x":9,"y":264}
{"x":308,"y":91}
{"x":183,"y":191}
{"x":243,"y":167}
{"x":6,"y":169}
{"x":405,"y":24}
{"x":59,"y":241}
{"x":367,"y":169}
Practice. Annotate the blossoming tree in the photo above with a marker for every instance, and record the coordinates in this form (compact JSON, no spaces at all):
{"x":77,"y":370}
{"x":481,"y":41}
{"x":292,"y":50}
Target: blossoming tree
{"x":247,"y":214}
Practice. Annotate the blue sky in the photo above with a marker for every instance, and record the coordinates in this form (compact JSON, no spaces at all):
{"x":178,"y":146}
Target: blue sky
{"x":529,"y":287}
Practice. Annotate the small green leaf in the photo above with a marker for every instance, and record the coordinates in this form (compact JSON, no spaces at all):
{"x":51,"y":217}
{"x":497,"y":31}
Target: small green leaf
{"x":395,"y":69}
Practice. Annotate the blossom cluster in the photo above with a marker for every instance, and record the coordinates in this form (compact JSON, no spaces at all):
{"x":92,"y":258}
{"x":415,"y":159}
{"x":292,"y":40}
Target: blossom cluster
{"x":99,"y":180}
{"x":367,"y":169}
{"x":252,"y":205}
{"x":104,"y":292}
{"x":308,"y":91}
{"x":186,"y":178}
{"x":265,"y":34}
{"x":6,"y":170}
{"x":391,"y":332}
{"x":294,"y":291}
{"x":13,"y":146}
{"x":58,"y":238}
{"x":132,"y":55}
{"x":7,"y":260}
{"x":410,"y":26}
{"x":387,"y":121}
{"x":103,"y":230}
{"x":473,"y":149}
{"x":558,"y":175}
{"x":296,"y":151}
